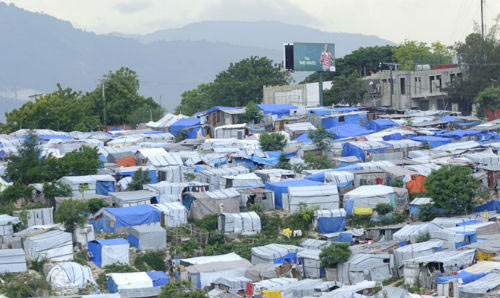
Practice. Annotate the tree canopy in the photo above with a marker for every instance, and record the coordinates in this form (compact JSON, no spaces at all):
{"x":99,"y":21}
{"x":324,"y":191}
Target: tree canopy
{"x":71,"y":214}
{"x":345,"y":90}
{"x":488,"y":99}
{"x":139,"y":178}
{"x":239,"y":84}
{"x":272,"y":141}
{"x":336,"y":253}
{"x":252,"y":113}
{"x":452,"y":188}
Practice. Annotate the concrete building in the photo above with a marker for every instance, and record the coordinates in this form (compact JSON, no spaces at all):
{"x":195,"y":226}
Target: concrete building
{"x":420,"y":89}
{"x":297,"y":94}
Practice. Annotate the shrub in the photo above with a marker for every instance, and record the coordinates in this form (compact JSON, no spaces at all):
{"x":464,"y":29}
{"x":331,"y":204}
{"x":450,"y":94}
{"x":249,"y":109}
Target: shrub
{"x":397,"y":183}
{"x":37,"y":264}
{"x":300,"y":220}
{"x":181,"y":136}
{"x":71,"y":214}
{"x":95,"y":204}
{"x":383,"y":209}
{"x":273,"y":141}
{"x":423,"y":236}
{"x":181,"y":289}
{"x":207,"y":223}
{"x":426,"y":212}
{"x":317,"y":162}
{"x":335,"y":254}
{"x":151,"y":259}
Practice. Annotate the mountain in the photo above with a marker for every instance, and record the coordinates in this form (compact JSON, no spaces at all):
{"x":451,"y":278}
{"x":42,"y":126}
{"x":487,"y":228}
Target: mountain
{"x":263,"y":34}
{"x":38,"y":51}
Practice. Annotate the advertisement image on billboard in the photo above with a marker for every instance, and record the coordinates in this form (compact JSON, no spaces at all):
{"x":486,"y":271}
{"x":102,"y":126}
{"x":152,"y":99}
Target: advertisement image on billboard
{"x":313,"y":56}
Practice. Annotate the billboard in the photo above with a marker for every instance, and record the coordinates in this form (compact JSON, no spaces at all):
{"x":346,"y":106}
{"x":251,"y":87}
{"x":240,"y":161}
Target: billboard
{"x":310,"y":56}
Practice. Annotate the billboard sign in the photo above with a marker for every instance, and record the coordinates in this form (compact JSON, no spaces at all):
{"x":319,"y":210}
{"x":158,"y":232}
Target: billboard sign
{"x":313,"y":56}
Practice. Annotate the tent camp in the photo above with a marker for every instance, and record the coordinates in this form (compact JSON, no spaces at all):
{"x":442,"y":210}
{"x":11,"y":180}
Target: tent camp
{"x":12,"y":260}
{"x":365,"y":198}
{"x":105,"y":252}
{"x":213,"y":176}
{"x":133,"y":198}
{"x":148,"y":237}
{"x":380,"y":124}
{"x":117,"y":220}
{"x":220,"y":201}
{"x":97,"y":184}
{"x":311,"y":264}
{"x":411,"y":251}
{"x":319,"y":197}
{"x":329,"y":221}
{"x":275,"y":253}
{"x":202,"y":275}
{"x":54,"y":245}
{"x":137,"y":284}
{"x":241,"y":181}
{"x":244,"y":223}
{"x":70,"y":276}
{"x":281,"y":187}
{"x":360,"y":267}
{"x":412,"y":232}
{"x":169,"y":192}
{"x":174,"y":214}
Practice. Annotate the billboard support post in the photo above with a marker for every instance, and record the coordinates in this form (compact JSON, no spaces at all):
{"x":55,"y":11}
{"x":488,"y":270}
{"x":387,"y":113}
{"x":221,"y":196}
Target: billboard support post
{"x":320,"y":84}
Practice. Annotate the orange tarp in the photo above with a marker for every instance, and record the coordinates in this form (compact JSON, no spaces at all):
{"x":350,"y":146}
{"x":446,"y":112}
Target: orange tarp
{"x":416,"y":184}
{"x":128,"y":161}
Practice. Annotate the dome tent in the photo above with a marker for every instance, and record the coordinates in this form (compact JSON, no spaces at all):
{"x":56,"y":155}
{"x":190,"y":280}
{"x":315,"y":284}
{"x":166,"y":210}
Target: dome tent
{"x":69,"y":276}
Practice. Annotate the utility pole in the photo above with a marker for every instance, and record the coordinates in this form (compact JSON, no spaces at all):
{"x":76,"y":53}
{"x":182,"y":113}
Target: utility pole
{"x":104,"y":105}
{"x":482,"y":30}
{"x":320,"y":83}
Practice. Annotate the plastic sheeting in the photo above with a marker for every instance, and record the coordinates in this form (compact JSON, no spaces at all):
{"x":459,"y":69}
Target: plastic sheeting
{"x":184,"y":123}
{"x":432,"y":140}
{"x":12,"y":260}
{"x":174,"y":214}
{"x":466,"y":277}
{"x":493,"y":205}
{"x":275,"y":253}
{"x":319,"y":196}
{"x":460,"y":133}
{"x":281,"y":187}
{"x":349,"y":130}
{"x":245,"y":223}
{"x":148,"y":237}
{"x":380,"y":124}
{"x":54,"y":245}
{"x":70,"y":276}
{"x":328,"y":225}
{"x":131,"y":280}
{"x":276,"y":109}
{"x":126,"y":217}
{"x":107,"y":252}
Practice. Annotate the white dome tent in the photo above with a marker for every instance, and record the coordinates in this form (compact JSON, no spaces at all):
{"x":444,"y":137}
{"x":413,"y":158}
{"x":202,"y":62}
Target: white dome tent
{"x":70,"y":276}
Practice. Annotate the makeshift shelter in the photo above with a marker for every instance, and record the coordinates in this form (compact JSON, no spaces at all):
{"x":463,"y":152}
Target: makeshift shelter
{"x":311,"y":264}
{"x":213,"y":176}
{"x":157,"y":157}
{"x":148,"y":237}
{"x":493,"y":205}
{"x":39,"y":216}
{"x":97,"y":184}
{"x":297,"y":129}
{"x":54,"y":245}
{"x":362,"y":266}
{"x":348,"y":130}
{"x":380,"y":124}
{"x":12,"y":260}
{"x":220,"y":201}
{"x":275,"y":253}
{"x":330,"y":221}
{"x":259,"y":195}
{"x":70,"y":276}
{"x":281,"y":187}
{"x":137,"y":284}
{"x":412,"y":232}
{"x":365,"y":198}
{"x":117,"y":220}
{"x":433,"y":141}
{"x":244,"y":223}
{"x":6,"y":223}
{"x":133,"y":198}
{"x":464,"y":234}
{"x":170,"y":192}
{"x":276,"y":109}
{"x":241,"y":181}
{"x":191,"y":125}
{"x":174,"y":214}
{"x":232,"y":283}
{"x":231,"y":131}
{"x":417,"y":202}
{"x":315,"y":244}
{"x":364,"y":150}
{"x":202,"y":275}
{"x":481,"y":286}
{"x":411,"y":251}
{"x":320,"y":197}
{"x":105,"y":252}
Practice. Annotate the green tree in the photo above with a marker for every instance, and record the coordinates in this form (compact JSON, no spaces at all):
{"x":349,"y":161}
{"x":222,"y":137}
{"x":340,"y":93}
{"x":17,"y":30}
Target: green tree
{"x":383,"y":209}
{"x":272,"y":141}
{"x":252,"y":114}
{"x":283,"y":162}
{"x":426,"y":212}
{"x":16,"y":191}
{"x":95,"y":204}
{"x":144,"y":114}
{"x":336,"y":253}
{"x":346,"y":89}
{"x":413,"y":52}
{"x":239,"y":84}
{"x":317,"y":162}
{"x":181,"y":289}
{"x":139,"y":178}
{"x":83,"y":161}
{"x":452,"y":188}
{"x":181,"y":136}
{"x":320,"y":137}
{"x":488,"y":99}
{"x":26,"y":166}
{"x":56,"y":189}
{"x":71,"y":214}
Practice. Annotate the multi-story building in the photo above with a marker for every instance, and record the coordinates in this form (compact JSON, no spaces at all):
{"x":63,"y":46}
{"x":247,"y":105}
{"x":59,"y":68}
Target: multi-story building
{"x":296,"y":94}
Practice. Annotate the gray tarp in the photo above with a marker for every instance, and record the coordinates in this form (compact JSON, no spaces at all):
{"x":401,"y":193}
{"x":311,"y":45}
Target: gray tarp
{"x":149,"y":237}
{"x":12,"y":260}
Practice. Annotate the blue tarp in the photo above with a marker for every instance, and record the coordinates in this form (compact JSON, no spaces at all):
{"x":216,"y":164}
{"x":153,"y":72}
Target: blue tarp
{"x":467,"y":277}
{"x":151,"y":174}
{"x":303,"y":138}
{"x":335,"y":120}
{"x":393,"y":137}
{"x":53,"y":137}
{"x":344,"y":237}
{"x":493,"y":205}
{"x":104,"y":187}
{"x":278,"y":153}
{"x":449,"y":118}
{"x":349,"y":149}
{"x":468,"y":123}
{"x":345,"y":109}
{"x":199,"y":168}
{"x":269,"y":161}
{"x":154,"y":132}
{"x":321,"y":111}
{"x":349,"y":130}
{"x":468,"y":223}
{"x":290,"y":258}
{"x":349,"y":207}
{"x":432,"y":140}
{"x":159,"y":278}
{"x":460,"y":133}
{"x":328,"y":225}
{"x":276,"y":109}
{"x":281,"y":187}
{"x":184,"y":123}
{"x":95,"y":248}
{"x":126,"y":217}
{"x":380,"y":124}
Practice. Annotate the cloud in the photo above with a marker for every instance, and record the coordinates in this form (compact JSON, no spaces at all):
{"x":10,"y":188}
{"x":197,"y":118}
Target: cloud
{"x":132,"y":6}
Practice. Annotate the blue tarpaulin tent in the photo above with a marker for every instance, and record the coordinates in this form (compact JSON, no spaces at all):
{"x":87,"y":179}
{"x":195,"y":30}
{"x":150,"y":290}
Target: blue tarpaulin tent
{"x":327,"y":225}
{"x":493,"y":205}
{"x":183,"y":124}
{"x":105,"y":252}
{"x":380,"y":124}
{"x":303,"y":138}
{"x":104,"y":187}
{"x":467,"y":277}
{"x":281,"y":187}
{"x":393,"y":137}
{"x":449,"y":118}
{"x":335,"y":120}
{"x":349,"y":149}
{"x":276,"y":109}
{"x":460,"y":133}
{"x":344,"y":237}
{"x":159,"y":278}
{"x":278,"y":153}
{"x":349,"y":130}
{"x":432,"y":140}
{"x":125,"y":217}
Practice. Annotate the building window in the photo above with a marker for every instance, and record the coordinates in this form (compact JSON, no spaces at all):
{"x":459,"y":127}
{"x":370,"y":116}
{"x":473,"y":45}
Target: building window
{"x":402,"y":83}
{"x":431,"y":80}
{"x":440,"y":83}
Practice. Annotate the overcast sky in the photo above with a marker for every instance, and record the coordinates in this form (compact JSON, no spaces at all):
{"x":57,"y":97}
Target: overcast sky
{"x":396,"y":20}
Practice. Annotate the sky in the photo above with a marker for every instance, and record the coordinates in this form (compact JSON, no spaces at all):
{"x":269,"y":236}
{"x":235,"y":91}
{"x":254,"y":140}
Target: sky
{"x":397,"y":20}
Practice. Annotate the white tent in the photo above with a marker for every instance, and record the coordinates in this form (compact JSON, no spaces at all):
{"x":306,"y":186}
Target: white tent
{"x":6,"y":222}
{"x":174,"y":214}
{"x":12,"y":260}
{"x":245,"y":223}
{"x":70,"y":276}
{"x":89,"y":180}
{"x":415,"y":250}
{"x":54,"y":245}
{"x":320,"y":196}
{"x":359,"y":267}
{"x":275,"y":253}
{"x":169,"y":192}
{"x":412,"y":232}
{"x":241,"y":180}
{"x":202,"y":275}
{"x":311,"y":264}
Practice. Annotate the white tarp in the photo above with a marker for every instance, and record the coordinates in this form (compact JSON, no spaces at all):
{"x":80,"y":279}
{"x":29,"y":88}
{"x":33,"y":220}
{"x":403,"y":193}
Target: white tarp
{"x":54,"y":245}
{"x":6,"y":222}
{"x":320,"y":196}
{"x":310,"y":262}
{"x":209,"y":259}
{"x":241,"y":180}
{"x":371,"y":195}
{"x":415,"y":250}
{"x":12,"y":260}
{"x":174,"y":214}
{"x":131,"y":280}
{"x":412,"y":232}
{"x":244,"y":223}
{"x":208,"y":273}
{"x":70,"y":276}
{"x":112,"y":254}
{"x":340,"y":178}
